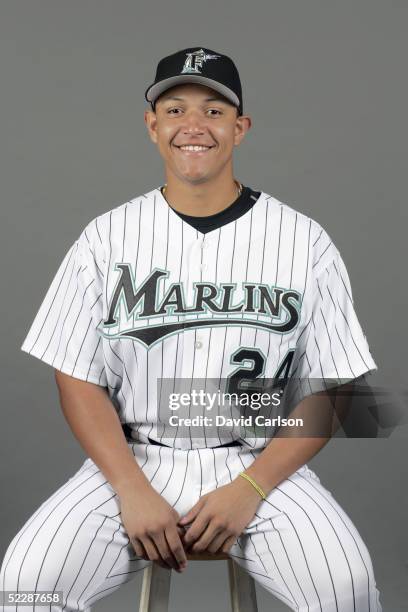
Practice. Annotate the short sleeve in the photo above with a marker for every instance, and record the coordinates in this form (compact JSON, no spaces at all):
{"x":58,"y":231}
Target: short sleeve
{"x":332,"y":344}
{"x":64,"y":333}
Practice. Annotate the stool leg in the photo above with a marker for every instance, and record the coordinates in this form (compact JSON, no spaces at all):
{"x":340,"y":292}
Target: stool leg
{"x":155,"y":589}
{"x":242,"y":589}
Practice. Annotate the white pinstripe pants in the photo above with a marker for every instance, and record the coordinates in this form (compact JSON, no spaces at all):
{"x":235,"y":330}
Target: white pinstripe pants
{"x":301,"y":546}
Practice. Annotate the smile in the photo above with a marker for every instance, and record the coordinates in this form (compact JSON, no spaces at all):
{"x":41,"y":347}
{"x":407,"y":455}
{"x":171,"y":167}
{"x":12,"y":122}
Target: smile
{"x":194,"y":149}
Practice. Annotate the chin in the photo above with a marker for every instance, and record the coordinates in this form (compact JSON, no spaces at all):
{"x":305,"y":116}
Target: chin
{"x":194,"y":177}
{"x":196,"y":180}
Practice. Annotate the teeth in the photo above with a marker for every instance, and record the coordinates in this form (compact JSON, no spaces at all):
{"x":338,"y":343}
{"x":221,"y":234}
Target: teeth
{"x":193,"y":148}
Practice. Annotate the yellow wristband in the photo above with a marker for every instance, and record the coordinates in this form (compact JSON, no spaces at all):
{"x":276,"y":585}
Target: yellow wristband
{"x":253,"y":483}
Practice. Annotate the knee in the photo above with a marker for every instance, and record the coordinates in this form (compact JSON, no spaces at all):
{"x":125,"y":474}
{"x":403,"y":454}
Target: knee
{"x":20,"y":573}
{"x":355,"y":586}
{"x":365,"y":594}
{"x":350,"y":588}
{"x":22,"y":570}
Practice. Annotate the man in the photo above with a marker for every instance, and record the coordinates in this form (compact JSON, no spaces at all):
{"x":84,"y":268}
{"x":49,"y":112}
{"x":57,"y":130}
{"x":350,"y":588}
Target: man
{"x":201,"y":279}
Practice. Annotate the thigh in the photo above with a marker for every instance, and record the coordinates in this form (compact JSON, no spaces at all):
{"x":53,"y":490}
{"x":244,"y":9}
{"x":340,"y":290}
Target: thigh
{"x":74,"y":543}
{"x":302,"y":547}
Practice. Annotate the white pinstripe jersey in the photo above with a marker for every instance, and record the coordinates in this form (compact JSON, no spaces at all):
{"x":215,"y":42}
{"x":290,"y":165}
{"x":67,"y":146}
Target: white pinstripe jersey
{"x":142,"y":296}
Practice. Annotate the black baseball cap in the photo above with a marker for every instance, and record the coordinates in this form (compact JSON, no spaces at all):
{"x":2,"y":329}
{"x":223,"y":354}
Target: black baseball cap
{"x":197,"y":65}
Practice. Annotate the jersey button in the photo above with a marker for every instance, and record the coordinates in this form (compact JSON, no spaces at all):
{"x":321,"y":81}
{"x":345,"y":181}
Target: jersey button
{"x":198,"y":344}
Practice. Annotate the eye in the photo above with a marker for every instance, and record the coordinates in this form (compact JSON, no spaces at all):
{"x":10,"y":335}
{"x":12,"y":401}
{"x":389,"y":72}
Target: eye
{"x":172,"y":111}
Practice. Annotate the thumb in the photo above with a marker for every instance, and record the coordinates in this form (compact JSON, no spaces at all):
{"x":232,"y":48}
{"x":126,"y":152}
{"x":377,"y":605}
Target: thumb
{"x":191,"y":514}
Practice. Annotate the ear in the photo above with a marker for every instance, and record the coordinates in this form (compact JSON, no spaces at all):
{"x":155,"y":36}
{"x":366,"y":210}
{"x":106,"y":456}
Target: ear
{"x":242,"y":126}
{"x":150,"y":119}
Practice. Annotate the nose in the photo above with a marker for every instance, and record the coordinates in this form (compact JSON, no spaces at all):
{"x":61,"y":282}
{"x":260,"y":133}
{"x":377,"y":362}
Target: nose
{"x":194,"y":123}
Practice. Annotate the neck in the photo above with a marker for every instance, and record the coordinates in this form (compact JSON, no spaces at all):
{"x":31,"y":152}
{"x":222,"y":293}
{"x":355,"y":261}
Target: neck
{"x":203,"y":199}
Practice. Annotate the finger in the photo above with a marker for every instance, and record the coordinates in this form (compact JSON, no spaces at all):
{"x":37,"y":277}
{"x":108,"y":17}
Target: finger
{"x":181,"y":532}
{"x":165,"y":551}
{"x":206,"y":538}
{"x":139,"y":548}
{"x":215,"y":545}
{"x":195,"y":531}
{"x":176,"y":546}
{"x":228,"y":544}
{"x":192,"y":513}
{"x":153,"y":553}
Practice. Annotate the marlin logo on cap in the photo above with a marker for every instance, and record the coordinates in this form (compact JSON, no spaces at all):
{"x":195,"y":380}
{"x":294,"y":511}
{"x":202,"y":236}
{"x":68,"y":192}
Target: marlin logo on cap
{"x":195,"y":60}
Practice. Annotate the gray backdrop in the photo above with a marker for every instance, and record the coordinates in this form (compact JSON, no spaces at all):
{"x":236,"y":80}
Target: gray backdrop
{"x":325,"y":84}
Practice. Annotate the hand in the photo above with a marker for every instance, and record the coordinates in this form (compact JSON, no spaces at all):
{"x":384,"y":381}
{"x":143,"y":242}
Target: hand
{"x":220,"y":516}
{"x":151,"y":524}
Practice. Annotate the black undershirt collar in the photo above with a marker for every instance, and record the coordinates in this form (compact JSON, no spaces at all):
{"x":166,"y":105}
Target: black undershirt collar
{"x":239,"y":207}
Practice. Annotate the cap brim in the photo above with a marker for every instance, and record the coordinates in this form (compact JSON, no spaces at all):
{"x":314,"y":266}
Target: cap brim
{"x":154,"y":91}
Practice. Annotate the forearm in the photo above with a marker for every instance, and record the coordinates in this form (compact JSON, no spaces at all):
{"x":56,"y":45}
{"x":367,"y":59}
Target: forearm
{"x":95,"y":424}
{"x":281,"y":458}
{"x":292,"y":447}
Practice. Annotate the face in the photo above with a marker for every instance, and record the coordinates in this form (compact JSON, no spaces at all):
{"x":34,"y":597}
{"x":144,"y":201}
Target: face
{"x":192,"y":114}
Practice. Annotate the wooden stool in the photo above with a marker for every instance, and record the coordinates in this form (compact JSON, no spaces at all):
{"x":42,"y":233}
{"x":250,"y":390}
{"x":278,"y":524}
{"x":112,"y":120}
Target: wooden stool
{"x":156,"y":585}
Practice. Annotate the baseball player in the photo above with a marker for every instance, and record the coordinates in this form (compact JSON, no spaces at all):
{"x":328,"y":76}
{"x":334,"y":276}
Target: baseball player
{"x":200,"y":279}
